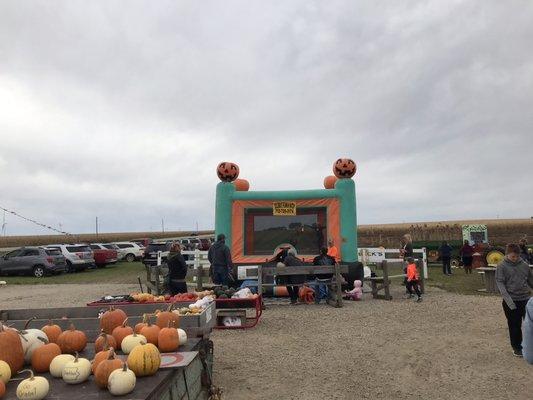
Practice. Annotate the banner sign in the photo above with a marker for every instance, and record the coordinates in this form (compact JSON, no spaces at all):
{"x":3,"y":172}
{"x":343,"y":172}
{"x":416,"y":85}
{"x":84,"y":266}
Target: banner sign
{"x":283,"y":208}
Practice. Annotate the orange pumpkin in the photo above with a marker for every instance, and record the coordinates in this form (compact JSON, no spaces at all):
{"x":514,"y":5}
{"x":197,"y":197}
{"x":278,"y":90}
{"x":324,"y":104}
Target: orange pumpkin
{"x":164,"y":317}
{"x":151,"y":333}
{"x":329,"y":181}
{"x":2,"y":388}
{"x":241,"y":185}
{"x":168,"y":339}
{"x":42,"y":357}
{"x":72,"y":340}
{"x":11,"y":350}
{"x":99,"y":357}
{"x":52,"y":331}
{"x":111,"y":319}
{"x":104,"y":369}
{"x":227,"y":171}
{"x":141,"y":325}
{"x":344,"y":168}
{"x":104,"y":342}
{"x":120,"y":332}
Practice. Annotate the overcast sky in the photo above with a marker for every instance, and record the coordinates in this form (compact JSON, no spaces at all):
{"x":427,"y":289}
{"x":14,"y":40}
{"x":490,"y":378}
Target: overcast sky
{"x":123,"y":109}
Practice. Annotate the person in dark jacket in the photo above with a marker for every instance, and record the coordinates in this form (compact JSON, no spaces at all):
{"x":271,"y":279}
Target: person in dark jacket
{"x":322,"y":259}
{"x":446,"y":256}
{"x":466,"y":253}
{"x":177,"y":271}
{"x":219,"y":256}
{"x":514,"y":280}
{"x":292,"y":261}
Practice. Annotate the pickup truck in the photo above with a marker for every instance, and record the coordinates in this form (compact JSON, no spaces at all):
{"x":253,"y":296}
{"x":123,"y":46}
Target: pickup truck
{"x":102,"y":255}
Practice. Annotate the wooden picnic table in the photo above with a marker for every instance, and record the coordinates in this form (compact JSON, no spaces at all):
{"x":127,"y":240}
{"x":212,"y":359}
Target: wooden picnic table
{"x":489,"y":277}
{"x":334,"y":284}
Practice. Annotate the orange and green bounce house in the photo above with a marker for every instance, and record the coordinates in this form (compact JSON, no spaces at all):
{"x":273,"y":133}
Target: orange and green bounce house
{"x":258,"y":223}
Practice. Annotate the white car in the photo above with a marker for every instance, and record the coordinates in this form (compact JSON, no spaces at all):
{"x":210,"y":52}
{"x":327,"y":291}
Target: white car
{"x":131,"y":251}
{"x":121,"y":253}
{"x":79,"y":257}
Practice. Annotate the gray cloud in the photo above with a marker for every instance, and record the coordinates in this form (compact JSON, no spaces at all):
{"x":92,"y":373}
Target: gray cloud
{"x":123,"y":110}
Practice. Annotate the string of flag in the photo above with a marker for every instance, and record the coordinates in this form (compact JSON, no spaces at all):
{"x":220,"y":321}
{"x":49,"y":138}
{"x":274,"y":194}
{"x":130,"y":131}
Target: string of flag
{"x":34,"y":222}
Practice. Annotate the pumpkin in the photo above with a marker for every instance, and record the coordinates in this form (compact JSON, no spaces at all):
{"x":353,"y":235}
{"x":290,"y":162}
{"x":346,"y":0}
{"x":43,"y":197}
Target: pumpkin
{"x":52,"y":331}
{"x":344,"y":168}
{"x":164,"y":317}
{"x":151,"y":333}
{"x":111,"y":319}
{"x":58,"y":363}
{"x":104,"y":369}
{"x":11,"y":350}
{"x":31,"y":339}
{"x":42,"y":357}
{"x":140,"y":325}
{"x":76,"y":371}
{"x":72,"y":340}
{"x":183,"y":336}
{"x":241,"y":185}
{"x":120,"y":332}
{"x":104,"y":342}
{"x":5,"y":372}
{"x":168,"y":339}
{"x":227,"y":171}
{"x":329,"y":181}
{"x":99,"y":357}
{"x":2,"y":388}
{"x":144,"y":360}
{"x":33,"y":388}
{"x":130,"y":341}
{"x":121,"y":381}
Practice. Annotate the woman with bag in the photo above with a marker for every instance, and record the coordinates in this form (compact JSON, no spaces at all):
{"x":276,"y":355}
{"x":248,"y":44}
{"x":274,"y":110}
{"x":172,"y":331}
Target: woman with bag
{"x":177,"y":271}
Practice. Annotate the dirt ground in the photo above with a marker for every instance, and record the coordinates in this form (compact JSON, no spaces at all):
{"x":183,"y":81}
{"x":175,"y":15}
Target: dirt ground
{"x":447,"y":347}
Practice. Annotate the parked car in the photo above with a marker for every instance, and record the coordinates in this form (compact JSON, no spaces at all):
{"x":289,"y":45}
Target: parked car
{"x":36,"y":261}
{"x":120,"y":252}
{"x":132,"y":251}
{"x":142,"y":242}
{"x":79,"y":257}
{"x":102,"y":255}
{"x":150,"y":253}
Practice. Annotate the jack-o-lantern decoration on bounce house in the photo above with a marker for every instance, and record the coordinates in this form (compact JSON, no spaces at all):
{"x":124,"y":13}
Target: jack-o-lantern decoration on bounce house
{"x":256,"y":223}
{"x":344,"y":168}
{"x":227,"y":171}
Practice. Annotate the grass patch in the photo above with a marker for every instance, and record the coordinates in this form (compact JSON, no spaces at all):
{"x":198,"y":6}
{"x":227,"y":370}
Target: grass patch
{"x":459,"y":282}
{"x":121,"y":272}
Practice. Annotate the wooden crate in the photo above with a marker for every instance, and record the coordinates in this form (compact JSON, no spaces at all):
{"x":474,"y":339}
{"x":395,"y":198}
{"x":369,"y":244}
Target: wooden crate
{"x":86,"y":318}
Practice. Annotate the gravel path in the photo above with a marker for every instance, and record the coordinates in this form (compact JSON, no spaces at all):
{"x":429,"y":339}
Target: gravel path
{"x":447,"y":347}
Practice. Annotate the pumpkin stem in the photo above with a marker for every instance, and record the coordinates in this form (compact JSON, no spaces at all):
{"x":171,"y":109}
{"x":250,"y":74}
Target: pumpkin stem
{"x":77,"y":356}
{"x":43,"y":340}
{"x":72,"y":327}
{"x":124,"y":366}
{"x":30,"y":371}
{"x":111,"y":355}
{"x":170,"y":307}
{"x":28,"y":323}
{"x":124,"y":323}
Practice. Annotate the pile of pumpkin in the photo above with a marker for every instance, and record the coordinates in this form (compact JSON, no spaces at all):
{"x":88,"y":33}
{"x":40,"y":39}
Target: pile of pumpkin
{"x":50,"y":349}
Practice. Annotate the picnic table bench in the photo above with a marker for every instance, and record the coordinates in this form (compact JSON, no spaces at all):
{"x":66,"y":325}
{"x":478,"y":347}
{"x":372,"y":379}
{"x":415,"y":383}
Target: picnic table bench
{"x":334,"y":284}
{"x":379,"y":283}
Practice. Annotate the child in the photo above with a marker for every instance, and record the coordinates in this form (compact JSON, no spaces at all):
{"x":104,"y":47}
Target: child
{"x":514,"y":280}
{"x":412,"y":279}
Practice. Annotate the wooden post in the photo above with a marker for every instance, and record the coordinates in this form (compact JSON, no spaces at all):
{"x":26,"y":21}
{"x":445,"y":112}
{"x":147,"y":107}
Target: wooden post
{"x":386,"y":281}
{"x":260,"y":280}
{"x":420,"y":266}
{"x":199,"y":277}
{"x":338,"y":288}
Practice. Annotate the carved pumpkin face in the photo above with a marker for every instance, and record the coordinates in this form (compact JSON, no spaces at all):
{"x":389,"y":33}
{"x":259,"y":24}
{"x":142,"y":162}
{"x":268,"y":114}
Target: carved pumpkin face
{"x":227,"y":171}
{"x":344,"y":168}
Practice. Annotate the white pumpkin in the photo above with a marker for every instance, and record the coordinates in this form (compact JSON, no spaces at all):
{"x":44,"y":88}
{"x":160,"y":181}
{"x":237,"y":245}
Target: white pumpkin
{"x":130,"y":341}
{"x":32,"y":339}
{"x":183,"y":336}
{"x":121,"y":381}
{"x":77,"y":371}
{"x":5,"y":372}
{"x":33,"y":388}
{"x":58,"y":363}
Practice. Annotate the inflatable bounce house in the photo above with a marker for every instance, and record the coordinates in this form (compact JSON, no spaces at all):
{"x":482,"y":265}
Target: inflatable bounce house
{"x":258,"y":223}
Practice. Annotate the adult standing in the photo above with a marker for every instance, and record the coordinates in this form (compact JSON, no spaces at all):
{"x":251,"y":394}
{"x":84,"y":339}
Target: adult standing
{"x":324,"y":258}
{"x":319,"y":232}
{"x":466,"y":253}
{"x":514,"y":280}
{"x":177,"y":271}
{"x":292,"y":261}
{"x":219,"y":256}
{"x":446,"y":256}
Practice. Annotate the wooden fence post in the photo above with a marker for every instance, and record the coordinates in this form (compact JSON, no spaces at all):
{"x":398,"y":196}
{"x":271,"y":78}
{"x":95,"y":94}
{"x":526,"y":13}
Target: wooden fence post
{"x":386,"y":281}
{"x":420,"y":266}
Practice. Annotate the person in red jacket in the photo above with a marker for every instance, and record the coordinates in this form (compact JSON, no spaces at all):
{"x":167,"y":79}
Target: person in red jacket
{"x":413,"y":279}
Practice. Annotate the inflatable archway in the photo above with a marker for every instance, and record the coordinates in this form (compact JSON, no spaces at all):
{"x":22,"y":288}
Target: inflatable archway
{"x":255,"y":223}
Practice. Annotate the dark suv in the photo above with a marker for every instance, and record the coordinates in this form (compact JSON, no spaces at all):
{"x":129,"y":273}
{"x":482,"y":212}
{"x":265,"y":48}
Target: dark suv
{"x":150,"y":253}
{"x":35,"y":261}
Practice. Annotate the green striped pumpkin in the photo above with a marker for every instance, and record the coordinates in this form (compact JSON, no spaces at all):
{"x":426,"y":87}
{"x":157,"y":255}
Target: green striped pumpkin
{"x":144,"y":359}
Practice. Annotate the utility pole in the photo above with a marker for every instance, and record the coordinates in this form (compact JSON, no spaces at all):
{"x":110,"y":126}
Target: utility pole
{"x":162,"y":225}
{"x":96,"y":226}
{"x":197,"y":227}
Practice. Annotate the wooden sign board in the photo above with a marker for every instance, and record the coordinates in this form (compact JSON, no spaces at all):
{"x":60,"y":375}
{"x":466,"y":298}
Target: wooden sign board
{"x":283,"y":208}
